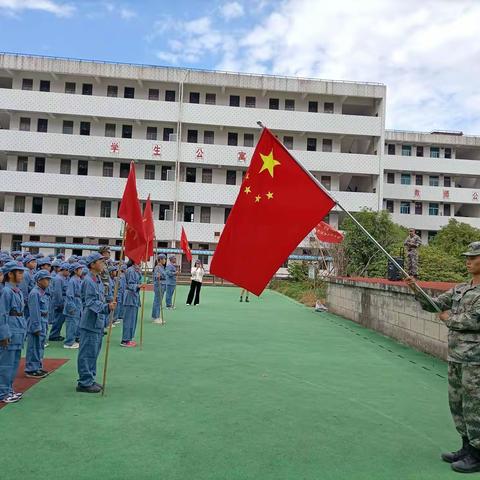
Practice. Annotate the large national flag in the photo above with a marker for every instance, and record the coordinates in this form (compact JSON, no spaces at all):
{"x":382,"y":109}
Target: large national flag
{"x":184,"y":245}
{"x":278,"y":205}
{"x":130,"y":212}
{"x":325,"y":233}
{"x":149,"y":229}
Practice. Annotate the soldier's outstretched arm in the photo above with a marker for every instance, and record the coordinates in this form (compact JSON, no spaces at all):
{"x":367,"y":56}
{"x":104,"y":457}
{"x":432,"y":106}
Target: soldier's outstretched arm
{"x":443,"y":301}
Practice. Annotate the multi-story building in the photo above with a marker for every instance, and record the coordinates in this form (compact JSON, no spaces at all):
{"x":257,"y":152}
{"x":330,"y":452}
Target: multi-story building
{"x":69,"y":128}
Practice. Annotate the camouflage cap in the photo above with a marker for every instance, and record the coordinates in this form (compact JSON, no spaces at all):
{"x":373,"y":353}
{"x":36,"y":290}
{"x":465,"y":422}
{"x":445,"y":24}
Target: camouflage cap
{"x":104,"y":249}
{"x":473,"y":250}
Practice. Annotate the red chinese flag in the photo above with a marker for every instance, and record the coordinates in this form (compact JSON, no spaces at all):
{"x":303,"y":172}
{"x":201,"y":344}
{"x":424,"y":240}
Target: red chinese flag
{"x":277,"y":195}
{"x":149,"y":229}
{"x":130,"y":212}
{"x":185,"y":246}
{"x":326,"y":233}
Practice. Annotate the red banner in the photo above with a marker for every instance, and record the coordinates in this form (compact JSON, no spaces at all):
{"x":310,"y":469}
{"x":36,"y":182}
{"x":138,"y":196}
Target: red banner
{"x":326,"y":233}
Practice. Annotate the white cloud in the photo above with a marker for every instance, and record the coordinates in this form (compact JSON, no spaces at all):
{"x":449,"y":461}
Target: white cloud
{"x":59,"y":9}
{"x":123,"y":12}
{"x":232,"y":10}
{"x":126,"y":13}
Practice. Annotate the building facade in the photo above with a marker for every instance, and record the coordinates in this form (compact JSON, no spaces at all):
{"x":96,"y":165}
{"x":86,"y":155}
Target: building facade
{"x":69,"y":128}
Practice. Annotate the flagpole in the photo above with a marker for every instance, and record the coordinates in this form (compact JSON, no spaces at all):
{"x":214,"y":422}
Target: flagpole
{"x":362,"y":228}
{"x":143,"y":296}
{"x":110,"y":320}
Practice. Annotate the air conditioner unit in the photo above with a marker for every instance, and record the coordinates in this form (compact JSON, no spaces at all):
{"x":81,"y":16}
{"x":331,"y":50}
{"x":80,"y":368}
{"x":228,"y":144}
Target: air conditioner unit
{"x":170,"y":175}
{"x":172,"y":137}
{"x":169,"y":215}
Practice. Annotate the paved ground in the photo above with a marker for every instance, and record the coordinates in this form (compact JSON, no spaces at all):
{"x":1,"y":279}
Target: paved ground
{"x":227,"y":391}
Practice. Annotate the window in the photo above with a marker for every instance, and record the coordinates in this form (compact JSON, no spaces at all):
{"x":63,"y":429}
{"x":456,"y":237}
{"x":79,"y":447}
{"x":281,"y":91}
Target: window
{"x":84,"y":128}
{"x":391,"y":149}
{"x":289,"y":104}
{"x":70,"y":87}
{"x":232,"y":138}
{"x":327,"y":145}
{"x":434,"y":180}
{"x":107,"y":169}
{"x":169,"y":95}
{"x":39,"y":166}
{"x":105,"y":209}
{"x":153,"y":94}
{"x":127,"y":131}
{"x":328,"y":107}
{"x":188,"y":213}
{"x":194,"y":97}
{"x":166,"y":134}
{"x":418,"y":208}
{"x":149,"y":172}
{"x":248,"y":139}
{"x":434,"y":152}
{"x":210,"y":98}
{"x":63,"y":206}
{"x":406,"y":150}
{"x":44,"y":85}
{"x":312,"y":144}
{"x":151,"y":133}
{"x":87,"y":89}
{"x":207,"y":175}
{"x":326,"y":181}
{"x":67,"y":127}
{"x":390,"y":206}
{"x":418,"y":179}
{"x":431,"y":235}
{"x":37,"y":204}
{"x":313,"y":107}
{"x":17,"y":242}
{"x":82,"y":168}
{"x":191,"y":174}
{"x":390,"y":177}
{"x":419,"y":151}
{"x":234,"y":100}
{"x":447,"y":181}
{"x":80,"y":206}
{"x":192,"y":136}
{"x":231,"y":177}
{"x":27,"y":84}
{"x":112,"y":91}
{"x":60,"y":240}
{"x":433,"y":209}
{"x":205,"y":214}
{"x":77,"y":241}
{"x":22,"y":164}
{"x":129,"y":92}
{"x":124,"y":170}
{"x":163,"y":209}
{"x":226,"y":214}
{"x":406,"y":179}
{"x":209,"y":137}
{"x":65,"y":166}
{"x":405,"y":208}
{"x":203,"y":258}
{"x":42,"y":125}
{"x":448,"y":153}
{"x":164,"y":172}
{"x":110,"y":130}
{"x":288,"y":142}
{"x":446,"y":210}
{"x":19,"y":204}
{"x":274,"y":104}
{"x":250,"y":102}
{"x":24,"y":124}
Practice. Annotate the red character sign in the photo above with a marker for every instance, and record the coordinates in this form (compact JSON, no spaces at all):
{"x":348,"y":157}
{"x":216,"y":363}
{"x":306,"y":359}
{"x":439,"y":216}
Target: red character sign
{"x":417,"y":193}
{"x":242,"y":156}
{"x":446,"y":194}
{"x":157,"y":151}
{"x":114,"y":147}
{"x":200,"y":153}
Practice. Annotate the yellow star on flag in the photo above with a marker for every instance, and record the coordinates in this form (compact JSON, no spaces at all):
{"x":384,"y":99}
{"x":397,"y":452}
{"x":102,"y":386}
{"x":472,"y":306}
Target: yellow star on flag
{"x":247,"y":190}
{"x":269,"y":195}
{"x":257,"y":198}
{"x":269,"y":163}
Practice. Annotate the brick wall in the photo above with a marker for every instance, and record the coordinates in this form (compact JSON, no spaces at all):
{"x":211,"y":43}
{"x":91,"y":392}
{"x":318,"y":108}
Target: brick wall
{"x":390,"y":309}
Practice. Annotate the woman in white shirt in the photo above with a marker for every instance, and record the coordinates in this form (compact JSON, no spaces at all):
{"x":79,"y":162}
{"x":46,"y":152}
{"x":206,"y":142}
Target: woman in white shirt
{"x":197,"y":278}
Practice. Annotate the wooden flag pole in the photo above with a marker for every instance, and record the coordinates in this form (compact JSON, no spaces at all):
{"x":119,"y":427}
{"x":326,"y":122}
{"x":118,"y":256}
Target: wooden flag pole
{"x":111,"y":315}
{"x":143,"y":296}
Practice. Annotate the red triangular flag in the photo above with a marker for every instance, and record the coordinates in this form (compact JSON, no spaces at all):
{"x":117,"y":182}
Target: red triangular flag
{"x":184,"y":245}
{"x":325,"y":233}
{"x":277,"y":191}
{"x":149,"y":229}
{"x":130,"y":211}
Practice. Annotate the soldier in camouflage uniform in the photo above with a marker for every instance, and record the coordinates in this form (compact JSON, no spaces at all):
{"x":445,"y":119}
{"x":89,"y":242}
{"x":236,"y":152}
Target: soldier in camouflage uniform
{"x":460,"y":308}
{"x":105,"y":275}
{"x":411,"y":243}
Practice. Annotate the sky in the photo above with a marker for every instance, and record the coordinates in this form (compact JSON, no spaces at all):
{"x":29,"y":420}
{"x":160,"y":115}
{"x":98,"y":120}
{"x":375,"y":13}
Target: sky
{"x":427,"y":52}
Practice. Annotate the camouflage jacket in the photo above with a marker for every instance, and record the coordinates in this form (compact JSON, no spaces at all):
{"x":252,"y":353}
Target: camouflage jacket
{"x":412,"y":243}
{"x":105,"y":277}
{"x":463,"y":324}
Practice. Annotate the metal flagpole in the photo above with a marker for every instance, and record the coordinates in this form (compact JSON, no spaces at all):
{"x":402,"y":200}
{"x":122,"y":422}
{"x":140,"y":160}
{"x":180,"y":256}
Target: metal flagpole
{"x":364,"y":230}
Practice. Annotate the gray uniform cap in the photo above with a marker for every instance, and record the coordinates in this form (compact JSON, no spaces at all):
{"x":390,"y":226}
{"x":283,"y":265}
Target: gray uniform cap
{"x":473,"y":250}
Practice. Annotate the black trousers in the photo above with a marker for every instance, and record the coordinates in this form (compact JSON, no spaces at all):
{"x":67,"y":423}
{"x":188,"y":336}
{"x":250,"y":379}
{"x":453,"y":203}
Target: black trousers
{"x":194,"y":290}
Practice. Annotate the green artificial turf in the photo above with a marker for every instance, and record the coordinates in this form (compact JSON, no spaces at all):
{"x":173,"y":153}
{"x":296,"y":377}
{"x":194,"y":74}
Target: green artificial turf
{"x":229,"y":390}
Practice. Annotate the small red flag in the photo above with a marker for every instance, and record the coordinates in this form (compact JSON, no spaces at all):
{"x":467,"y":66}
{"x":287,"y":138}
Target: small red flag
{"x":185,"y":246}
{"x":149,"y":229}
{"x":130,"y":212}
{"x":276,"y":191}
{"x":325,"y":233}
